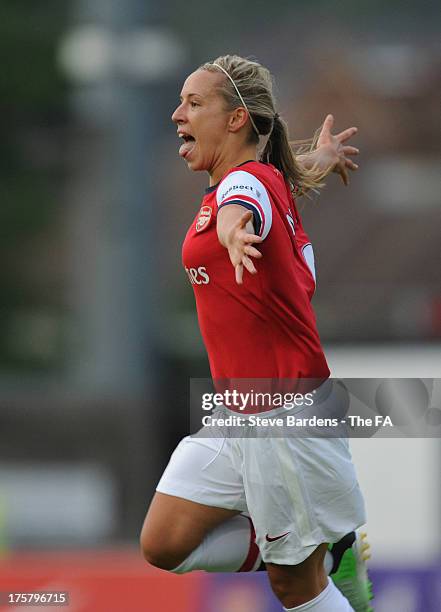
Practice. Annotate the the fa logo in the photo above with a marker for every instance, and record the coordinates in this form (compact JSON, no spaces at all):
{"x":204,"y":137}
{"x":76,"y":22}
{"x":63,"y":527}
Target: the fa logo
{"x":204,"y":218}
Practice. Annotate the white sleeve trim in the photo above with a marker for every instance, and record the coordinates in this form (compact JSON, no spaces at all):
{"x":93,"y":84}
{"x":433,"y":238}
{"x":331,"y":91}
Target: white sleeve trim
{"x":308,"y":254}
{"x":241,"y":185}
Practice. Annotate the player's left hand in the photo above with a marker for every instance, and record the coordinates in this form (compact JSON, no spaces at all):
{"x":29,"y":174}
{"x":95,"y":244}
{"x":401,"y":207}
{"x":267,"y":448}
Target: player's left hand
{"x":333,"y":153}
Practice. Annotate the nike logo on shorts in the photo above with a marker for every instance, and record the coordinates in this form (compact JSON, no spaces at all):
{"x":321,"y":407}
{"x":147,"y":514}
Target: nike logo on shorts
{"x":269,"y":539}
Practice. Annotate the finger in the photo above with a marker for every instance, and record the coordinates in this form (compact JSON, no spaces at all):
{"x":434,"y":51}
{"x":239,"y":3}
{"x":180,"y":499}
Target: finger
{"x":344,"y":175}
{"x":252,"y":238}
{"x":327,"y":124}
{"x":347,"y":150}
{"x":351,"y":165}
{"x":243,"y":220}
{"x":244,"y":238}
{"x":249,"y":264}
{"x":252,"y":252}
{"x":341,"y":170}
{"x":239,"y":273}
{"x":325,"y":132}
{"x":346,"y":134}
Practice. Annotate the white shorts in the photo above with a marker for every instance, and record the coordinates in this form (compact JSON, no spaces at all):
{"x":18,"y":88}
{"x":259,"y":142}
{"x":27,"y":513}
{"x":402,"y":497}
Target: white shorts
{"x":299,"y":492}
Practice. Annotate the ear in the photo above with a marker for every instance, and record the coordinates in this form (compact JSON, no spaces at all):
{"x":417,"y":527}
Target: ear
{"x":238,"y":118}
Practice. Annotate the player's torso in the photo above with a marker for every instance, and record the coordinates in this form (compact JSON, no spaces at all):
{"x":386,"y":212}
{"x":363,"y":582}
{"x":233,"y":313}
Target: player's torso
{"x":265,"y":327}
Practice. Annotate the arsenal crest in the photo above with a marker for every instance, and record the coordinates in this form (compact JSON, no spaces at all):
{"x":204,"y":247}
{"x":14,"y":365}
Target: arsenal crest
{"x":204,"y":218}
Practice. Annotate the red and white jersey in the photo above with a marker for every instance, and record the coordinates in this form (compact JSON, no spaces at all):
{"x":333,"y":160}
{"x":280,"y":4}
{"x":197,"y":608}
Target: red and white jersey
{"x":266,"y":327}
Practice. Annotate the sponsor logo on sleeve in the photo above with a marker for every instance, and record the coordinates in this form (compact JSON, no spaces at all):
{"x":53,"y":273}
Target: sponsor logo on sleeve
{"x":236,"y":188}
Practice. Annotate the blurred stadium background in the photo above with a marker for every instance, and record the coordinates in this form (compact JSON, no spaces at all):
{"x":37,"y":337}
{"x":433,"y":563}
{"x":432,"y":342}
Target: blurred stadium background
{"x":98,"y":335}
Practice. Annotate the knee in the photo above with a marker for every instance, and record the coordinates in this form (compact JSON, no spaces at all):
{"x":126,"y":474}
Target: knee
{"x":291,"y":592}
{"x":159,"y":553}
{"x":283,"y":588}
{"x":296,"y":585}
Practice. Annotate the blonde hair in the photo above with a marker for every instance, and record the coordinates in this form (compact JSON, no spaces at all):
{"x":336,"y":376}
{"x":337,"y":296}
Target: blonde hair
{"x":250,"y":84}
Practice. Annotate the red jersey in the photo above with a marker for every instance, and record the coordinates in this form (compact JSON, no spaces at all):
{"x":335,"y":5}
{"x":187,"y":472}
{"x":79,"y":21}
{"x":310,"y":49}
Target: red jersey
{"x":266,"y":327}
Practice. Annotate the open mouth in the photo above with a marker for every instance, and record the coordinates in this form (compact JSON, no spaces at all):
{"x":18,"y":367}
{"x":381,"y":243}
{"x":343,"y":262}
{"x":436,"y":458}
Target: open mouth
{"x":187,"y":145}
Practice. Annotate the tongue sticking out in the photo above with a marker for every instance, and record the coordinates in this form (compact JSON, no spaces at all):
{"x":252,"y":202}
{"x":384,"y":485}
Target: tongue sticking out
{"x":186,"y":147}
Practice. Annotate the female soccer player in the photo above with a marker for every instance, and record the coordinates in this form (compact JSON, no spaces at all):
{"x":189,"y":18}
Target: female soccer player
{"x":226,"y":504}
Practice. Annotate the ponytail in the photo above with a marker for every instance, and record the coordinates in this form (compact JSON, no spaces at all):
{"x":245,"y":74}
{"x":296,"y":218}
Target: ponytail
{"x":249,"y":84}
{"x":279,"y":153}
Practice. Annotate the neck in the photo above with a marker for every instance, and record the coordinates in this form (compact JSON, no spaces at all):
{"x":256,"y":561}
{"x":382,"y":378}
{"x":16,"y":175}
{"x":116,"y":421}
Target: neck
{"x":231,"y":161}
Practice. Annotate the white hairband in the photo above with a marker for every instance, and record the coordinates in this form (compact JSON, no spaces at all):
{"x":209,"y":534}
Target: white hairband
{"x":238,"y":93}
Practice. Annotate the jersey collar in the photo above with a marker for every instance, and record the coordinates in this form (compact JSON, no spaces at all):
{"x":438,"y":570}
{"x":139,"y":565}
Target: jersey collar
{"x":214,"y":187}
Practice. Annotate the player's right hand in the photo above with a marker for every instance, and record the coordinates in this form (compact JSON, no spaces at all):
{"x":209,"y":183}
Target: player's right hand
{"x":239,"y":241}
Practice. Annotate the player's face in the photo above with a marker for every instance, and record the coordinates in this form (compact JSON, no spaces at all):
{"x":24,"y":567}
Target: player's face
{"x":202,"y":121}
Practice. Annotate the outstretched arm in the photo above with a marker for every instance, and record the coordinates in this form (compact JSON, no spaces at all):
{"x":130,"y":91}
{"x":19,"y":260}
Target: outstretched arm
{"x":332,"y":154}
{"x":236,"y":233}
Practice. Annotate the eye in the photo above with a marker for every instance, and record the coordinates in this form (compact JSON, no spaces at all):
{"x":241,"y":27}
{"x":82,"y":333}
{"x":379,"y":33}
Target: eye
{"x":194,"y":104}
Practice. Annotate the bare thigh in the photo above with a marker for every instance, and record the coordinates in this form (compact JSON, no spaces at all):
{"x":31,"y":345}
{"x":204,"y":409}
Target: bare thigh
{"x":174,"y":527}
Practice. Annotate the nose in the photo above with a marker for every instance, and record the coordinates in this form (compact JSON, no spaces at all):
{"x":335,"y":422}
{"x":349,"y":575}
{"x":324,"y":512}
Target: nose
{"x":178,"y":115}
